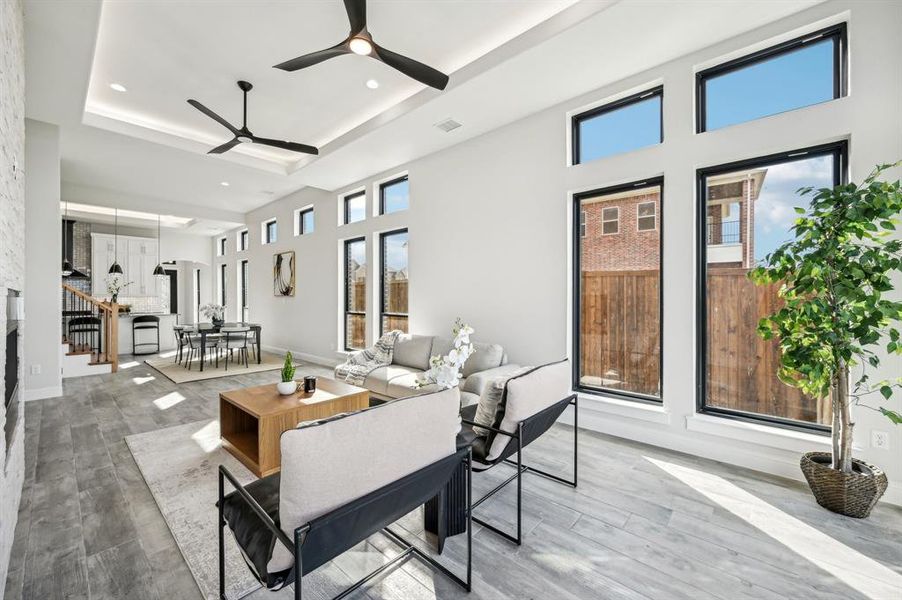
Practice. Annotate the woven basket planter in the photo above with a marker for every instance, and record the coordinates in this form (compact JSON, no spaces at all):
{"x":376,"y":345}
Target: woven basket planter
{"x":851,"y":494}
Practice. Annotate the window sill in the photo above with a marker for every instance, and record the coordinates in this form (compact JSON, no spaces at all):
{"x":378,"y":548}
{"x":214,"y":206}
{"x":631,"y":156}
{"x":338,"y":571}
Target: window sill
{"x":757,"y":433}
{"x":655,"y":413}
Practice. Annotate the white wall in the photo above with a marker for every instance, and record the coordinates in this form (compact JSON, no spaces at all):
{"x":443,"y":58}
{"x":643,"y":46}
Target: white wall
{"x":490,"y":241}
{"x":42,"y":265}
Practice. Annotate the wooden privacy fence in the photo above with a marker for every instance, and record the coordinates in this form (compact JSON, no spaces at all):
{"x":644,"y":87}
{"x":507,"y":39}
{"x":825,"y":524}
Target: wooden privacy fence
{"x":620,"y":349}
{"x":355,"y":326}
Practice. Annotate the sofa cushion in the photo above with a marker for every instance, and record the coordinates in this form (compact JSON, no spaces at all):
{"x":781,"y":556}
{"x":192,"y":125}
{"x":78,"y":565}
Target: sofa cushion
{"x":477,"y":382}
{"x":377,"y":380}
{"x":328,"y":463}
{"x":485,"y":356}
{"x":406,"y":385}
{"x":412,"y":351}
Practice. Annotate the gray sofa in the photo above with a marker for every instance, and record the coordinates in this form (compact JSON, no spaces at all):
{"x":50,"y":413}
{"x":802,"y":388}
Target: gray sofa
{"x":410,"y":360}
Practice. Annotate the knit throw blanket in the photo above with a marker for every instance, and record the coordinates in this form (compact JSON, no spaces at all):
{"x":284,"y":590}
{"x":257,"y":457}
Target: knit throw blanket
{"x":360,"y":364}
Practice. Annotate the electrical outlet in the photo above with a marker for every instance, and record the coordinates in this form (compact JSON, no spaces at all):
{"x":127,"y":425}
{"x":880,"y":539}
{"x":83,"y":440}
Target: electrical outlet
{"x":35,"y":369}
{"x":880,"y":439}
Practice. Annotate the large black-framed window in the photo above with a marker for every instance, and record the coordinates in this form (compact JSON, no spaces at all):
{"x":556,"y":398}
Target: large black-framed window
{"x":745,"y":209}
{"x":223,"y":275}
{"x":270,"y":231}
{"x":306,"y":223}
{"x":354,"y":207}
{"x":196,"y":295}
{"x":629,"y":123}
{"x":355,"y":293}
{"x":800,"y":72}
{"x":242,"y":240}
{"x":222,"y":246}
{"x":243,"y":272}
{"x":394,"y":195}
{"x":617,"y":294}
{"x":393,"y":280}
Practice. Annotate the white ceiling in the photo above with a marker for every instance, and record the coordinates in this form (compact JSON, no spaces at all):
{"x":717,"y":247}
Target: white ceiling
{"x":146,"y":148}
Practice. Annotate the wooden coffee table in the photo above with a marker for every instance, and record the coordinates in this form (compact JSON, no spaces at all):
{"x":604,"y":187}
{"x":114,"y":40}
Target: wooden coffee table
{"x":253,"y":419}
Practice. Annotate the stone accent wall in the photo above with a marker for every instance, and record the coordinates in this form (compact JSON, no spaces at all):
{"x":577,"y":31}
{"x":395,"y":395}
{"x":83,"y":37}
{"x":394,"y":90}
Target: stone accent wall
{"x":12,"y":250}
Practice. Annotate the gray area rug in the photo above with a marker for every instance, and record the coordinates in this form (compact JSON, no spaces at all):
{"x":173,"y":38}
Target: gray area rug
{"x":180,"y":465}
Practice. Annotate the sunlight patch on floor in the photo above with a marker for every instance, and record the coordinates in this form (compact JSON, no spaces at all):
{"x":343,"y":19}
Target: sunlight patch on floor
{"x":128,"y":365}
{"x":850,"y":566}
{"x":142,"y":380}
{"x":168,"y":401}
{"x":207,"y":437}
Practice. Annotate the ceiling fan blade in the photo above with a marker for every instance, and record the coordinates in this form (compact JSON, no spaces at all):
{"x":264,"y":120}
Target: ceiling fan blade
{"x":356,"y":14}
{"x":411,"y":68}
{"x":308,"y":60}
{"x":212,"y":115}
{"x":294,"y":147}
{"x":225,"y":147}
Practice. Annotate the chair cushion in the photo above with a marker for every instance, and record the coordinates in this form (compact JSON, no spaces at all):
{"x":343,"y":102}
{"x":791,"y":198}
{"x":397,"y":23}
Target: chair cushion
{"x":490,"y":400}
{"x":254,"y":539}
{"x":525,"y":395}
{"x":328,"y":463}
{"x":412,"y":351}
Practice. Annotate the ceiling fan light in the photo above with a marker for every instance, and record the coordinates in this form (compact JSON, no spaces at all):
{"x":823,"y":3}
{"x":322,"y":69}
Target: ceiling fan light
{"x":360,"y":46}
{"x":244,"y":139}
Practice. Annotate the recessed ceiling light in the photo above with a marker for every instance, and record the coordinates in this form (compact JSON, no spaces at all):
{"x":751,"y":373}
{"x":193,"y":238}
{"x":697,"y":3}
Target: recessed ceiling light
{"x":118,"y":87}
{"x":372,"y":84}
{"x":224,"y":183}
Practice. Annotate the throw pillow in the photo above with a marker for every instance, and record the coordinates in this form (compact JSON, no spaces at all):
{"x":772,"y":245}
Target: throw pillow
{"x":490,"y":399}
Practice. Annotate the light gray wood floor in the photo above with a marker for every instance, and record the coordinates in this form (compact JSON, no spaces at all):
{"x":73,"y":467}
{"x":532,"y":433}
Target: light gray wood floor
{"x":644,"y":522}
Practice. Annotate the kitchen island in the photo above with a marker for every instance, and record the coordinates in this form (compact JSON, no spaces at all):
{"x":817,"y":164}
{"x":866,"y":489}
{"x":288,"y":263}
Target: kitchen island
{"x":167,"y":339}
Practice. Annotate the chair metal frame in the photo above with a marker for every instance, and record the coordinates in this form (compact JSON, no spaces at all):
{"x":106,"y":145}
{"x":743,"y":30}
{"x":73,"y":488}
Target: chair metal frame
{"x":518,"y":437}
{"x":294,"y":545}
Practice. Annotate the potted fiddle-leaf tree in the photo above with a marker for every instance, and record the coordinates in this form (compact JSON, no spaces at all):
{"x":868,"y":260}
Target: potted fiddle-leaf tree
{"x":836,"y":277}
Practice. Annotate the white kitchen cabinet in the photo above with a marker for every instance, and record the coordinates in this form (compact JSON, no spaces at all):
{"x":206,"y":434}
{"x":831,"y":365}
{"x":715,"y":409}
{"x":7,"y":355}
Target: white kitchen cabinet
{"x":137,"y":257}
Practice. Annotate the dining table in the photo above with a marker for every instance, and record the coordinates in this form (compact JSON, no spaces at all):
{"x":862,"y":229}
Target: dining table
{"x":205,"y":330}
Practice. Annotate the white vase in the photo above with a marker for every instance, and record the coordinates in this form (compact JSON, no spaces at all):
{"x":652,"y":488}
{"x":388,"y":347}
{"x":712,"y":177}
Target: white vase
{"x":286,"y":388}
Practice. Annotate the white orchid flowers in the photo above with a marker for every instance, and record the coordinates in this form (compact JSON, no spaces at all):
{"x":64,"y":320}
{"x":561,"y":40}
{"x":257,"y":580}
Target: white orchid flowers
{"x":445,"y":371}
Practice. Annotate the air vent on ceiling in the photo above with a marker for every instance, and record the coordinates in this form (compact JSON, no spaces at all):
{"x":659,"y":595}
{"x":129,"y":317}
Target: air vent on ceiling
{"x":447,"y":125}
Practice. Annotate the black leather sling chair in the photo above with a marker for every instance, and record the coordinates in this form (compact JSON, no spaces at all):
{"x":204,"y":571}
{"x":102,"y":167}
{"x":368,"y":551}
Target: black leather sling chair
{"x":529,"y":404}
{"x":334,"y":490}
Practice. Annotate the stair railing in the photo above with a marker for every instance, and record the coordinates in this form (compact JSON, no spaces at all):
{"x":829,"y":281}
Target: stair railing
{"x":91,"y":326}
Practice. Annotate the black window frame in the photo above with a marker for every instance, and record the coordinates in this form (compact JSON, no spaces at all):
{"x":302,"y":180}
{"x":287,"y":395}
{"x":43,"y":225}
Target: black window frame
{"x":838,"y":32}
{"x":383,"y":312}
{"x":576,"y":289}
{"x":267,"y":238}
{"x":197,"y":294}
{"x":243,"y":240}
{"x":347,"y":296}
{"x":222,"y":245}
{"x":576,"y":120}
{"x":301,"y":213}
{"x":243,"y":279}
{"x":223,"y":278}
{"x":840,"y":151}
{"x":387,"y":184}
{"x":347,"y":206}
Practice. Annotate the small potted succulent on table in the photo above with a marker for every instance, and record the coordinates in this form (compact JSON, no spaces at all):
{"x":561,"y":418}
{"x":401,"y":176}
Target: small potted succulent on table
{"x":288,"y":385}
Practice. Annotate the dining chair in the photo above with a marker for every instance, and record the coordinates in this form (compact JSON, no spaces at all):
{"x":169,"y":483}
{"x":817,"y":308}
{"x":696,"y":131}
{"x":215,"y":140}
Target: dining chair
{"x":231,"y":339}
{"x":180,"y":341}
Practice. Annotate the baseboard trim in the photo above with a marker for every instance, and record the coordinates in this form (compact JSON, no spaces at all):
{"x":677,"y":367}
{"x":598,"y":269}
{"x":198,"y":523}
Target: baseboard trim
{"x":304,"y":356}
{"x":41,"y":393}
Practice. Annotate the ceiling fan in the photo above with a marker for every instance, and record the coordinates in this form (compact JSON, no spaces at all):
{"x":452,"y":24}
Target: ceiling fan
{"x":359,"y":41}
{"x":244,"y":135}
